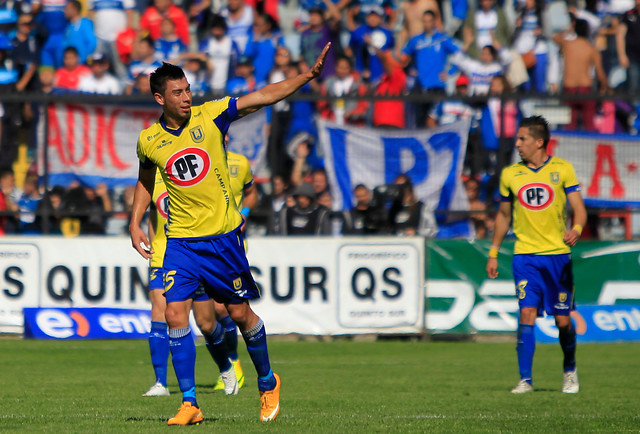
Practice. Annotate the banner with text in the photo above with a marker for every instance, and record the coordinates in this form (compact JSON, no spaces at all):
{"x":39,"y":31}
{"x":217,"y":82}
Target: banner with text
{"x":317,"y":286}
{"x":462,"y":299}
{"x":607,"y":166}
{"x":432,"y":158}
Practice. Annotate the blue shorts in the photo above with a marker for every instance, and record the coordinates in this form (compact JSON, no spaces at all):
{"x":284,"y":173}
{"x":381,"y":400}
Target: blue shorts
{"x":544,"y":281}
{"x":217,"y":263}
{"x":156,"y":281}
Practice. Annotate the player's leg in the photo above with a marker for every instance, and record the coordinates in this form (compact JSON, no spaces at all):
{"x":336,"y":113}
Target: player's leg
{"x":255,"y":337}
{"x":567,"y":337}
{"x":563,"y":304}
{"x":158,"y":339}
{"x":231,"y":341}
{"x":213,"y":333}
{"x":525,"y":348}
{"x":183,"y":354}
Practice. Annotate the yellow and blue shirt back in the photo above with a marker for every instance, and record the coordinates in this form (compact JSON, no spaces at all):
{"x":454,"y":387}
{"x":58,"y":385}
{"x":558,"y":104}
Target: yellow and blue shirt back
{"x":240,"y":174}
{"x":539,"y":199}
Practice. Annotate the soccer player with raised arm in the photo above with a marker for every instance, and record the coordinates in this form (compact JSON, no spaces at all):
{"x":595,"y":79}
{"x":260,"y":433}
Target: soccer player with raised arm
{"x":203,"y":309}
{"x":535,"y":191}
{"x":204,"y":241}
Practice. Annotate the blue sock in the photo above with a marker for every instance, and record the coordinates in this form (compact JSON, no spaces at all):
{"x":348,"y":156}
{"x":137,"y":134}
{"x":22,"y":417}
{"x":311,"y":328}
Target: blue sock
{"x":230,"y":336}
{"x":217,"y":347}
{"x":256,"y":340}
{"x":525,"y":348}
{"x":183,"y":354}
{"x":568,"y":345}
{"x":159,"y":348}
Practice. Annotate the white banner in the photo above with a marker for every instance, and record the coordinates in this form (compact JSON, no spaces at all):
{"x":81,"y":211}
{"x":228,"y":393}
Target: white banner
{"x":607,"y":166}
{"x":248,"y":136}
{"x":317,"y":286}
{"x":432,"y":158}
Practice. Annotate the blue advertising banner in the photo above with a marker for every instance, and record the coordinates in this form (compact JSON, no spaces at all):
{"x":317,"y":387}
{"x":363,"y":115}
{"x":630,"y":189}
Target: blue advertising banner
{"x":596,"y":324}
{"x":86,"y":323}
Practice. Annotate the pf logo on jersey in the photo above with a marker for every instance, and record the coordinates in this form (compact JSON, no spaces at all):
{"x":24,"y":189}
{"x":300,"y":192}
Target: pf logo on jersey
{"x":162,"y":204}
{"x":188,"y":167}
{"x":536,"y":196}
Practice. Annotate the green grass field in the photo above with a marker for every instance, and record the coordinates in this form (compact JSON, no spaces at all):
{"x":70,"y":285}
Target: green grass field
{"x":339,"y":386}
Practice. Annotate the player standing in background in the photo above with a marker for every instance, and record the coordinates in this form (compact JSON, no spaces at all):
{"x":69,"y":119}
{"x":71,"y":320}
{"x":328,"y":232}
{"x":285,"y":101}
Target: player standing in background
{"x":203,"y":308}
{"x":204,"y":243}
{"x":246,"y":197}
{"x":536,"y":190}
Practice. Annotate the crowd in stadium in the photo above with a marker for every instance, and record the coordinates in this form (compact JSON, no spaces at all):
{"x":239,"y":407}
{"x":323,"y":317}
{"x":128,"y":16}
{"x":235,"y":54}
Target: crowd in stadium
{"x":381,"y":47}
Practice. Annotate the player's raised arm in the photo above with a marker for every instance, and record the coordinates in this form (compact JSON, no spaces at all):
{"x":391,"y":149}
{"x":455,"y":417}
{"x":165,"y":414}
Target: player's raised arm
{"x":141,"y":201}
{"x":273,"y":93}
{"x":503,"y":220}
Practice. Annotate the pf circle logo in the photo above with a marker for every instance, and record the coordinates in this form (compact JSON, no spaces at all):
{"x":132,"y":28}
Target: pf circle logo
{"x":188,"y":167}
{"x":536,"y":196}
{"x":162,"y":204}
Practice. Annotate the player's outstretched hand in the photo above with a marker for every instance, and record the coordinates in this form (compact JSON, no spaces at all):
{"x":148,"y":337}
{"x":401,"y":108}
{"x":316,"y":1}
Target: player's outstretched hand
{"x":571,"y":237}
{"x":320,"y":61}
{"x":492,"y":268}
{"x":140,"y":242}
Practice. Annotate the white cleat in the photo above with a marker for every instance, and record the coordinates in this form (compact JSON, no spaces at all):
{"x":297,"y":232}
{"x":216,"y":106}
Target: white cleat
{"x":522,"y":387}
{"x":157,"y":390}
{"x":230,"y":381}
{"x":570,"y":382}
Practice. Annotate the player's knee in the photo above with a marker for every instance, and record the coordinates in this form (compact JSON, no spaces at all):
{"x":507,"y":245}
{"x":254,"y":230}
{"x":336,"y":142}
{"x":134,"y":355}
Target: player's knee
{"x":241,"y":314}
{"x":176,"y":318}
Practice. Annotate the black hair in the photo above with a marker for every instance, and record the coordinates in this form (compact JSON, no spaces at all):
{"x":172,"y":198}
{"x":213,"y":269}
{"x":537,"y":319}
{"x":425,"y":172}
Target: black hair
{"x":158,"y":78}
{"x":76,"y":4}
{"x":492,"y":50}
{"x":71,"y":49}
{"x":582,"y":28}
{"x":538,"y":128}
{"x":218,"y":22}
{"x":429,"y":12}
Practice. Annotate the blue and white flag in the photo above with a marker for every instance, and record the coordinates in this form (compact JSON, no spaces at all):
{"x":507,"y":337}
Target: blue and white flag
{"x":433,"y":159}
{"x":248,"y":136}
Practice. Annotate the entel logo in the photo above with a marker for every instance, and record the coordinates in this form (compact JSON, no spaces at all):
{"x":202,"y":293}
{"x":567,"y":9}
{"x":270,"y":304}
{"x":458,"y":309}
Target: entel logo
{"x":60,"y":325}
{"x":188,"y":167}
{"x":536,"y":196}
{"x":162,"y":204}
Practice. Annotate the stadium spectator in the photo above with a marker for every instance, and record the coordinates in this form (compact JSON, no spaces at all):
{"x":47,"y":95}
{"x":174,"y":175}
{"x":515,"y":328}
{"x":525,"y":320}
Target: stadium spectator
{"x":140,"y":85}
{"x":25,"y":54}
{"x":196,"y":72}
{"x":453,"y":109}
{"x":239,"y":17}
{"x":70,"y":74}
{"x":530,"y":44}
{"x":46,"y":76}
{"x":628,"y":46}
{"x":484,"y":26}
{"x":407,"y":215}
{"x":27,"y":206}
{"x":10,"y":190}
{"x":269,"y":7}
{"x":97,"y":204}
{"x":151,"y":19}
{"x":79,"y":31}
{"x":244,"y":82}
{"x":493,"y":61}
{"x":359,"y":10}
{"x":319,"y":32}
{"x":221,"y":54}
{"x":168,"y":46}
{"x":429,"y":52}
{"x":542,"y":253}
{"x":580,"y":59}
{"x":143,"y":58}
{"x":344,"y":82}
{"x":100,"y":80}
{"x":389,"y":113}
{"x":11,"y":114}
{"x":365,"y":218}
{"x":50,"y":14}
{"x":364,"y":42}
{"x":306,"y":217}
{"x":272,"y":204}
{"x":110,"y":18}
{"x":49,"y":211}
{"x":482,"y":222}
{"x":262,"y":46}
{"x":413,"y":22}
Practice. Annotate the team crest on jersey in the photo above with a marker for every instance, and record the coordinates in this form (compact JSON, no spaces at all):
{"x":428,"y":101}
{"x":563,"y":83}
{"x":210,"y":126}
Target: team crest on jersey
{"x":237,"y":283}
{"x":536,"y":196}
{"x":233,"y":170}
{"x":521,"y":286}
{"x":188,"y":167}
{"x":562,"y":297}
{"x":555,"y":177}
{"x":196,"y":134}
{"x":162,"y":204}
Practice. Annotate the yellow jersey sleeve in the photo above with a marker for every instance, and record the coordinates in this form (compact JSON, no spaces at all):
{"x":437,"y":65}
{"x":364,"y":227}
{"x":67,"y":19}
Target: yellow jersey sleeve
{"x":241,"y":176}
{"x":160,"y":200}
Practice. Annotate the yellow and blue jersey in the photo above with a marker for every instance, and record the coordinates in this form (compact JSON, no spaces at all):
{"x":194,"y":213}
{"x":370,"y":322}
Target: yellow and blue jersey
{"x":241,"y":177}
{"x":193,"y":166}
{"x":539,"y":199}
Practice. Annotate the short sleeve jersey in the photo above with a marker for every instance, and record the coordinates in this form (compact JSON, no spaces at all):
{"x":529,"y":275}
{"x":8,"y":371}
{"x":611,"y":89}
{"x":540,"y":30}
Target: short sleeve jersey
{"x":160,"y":199}
{"x":240,"y":173}
{"x":538,"y":199}
{"x":193,"y":165}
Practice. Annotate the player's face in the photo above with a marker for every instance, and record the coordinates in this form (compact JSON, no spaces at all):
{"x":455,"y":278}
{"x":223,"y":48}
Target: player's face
{"x":176,"y":101}
{"x":527,"y":145}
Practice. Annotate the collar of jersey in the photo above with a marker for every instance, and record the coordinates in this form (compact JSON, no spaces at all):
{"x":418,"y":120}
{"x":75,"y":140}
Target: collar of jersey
{"x":543,"y":164}
{"x":171,"y":131}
